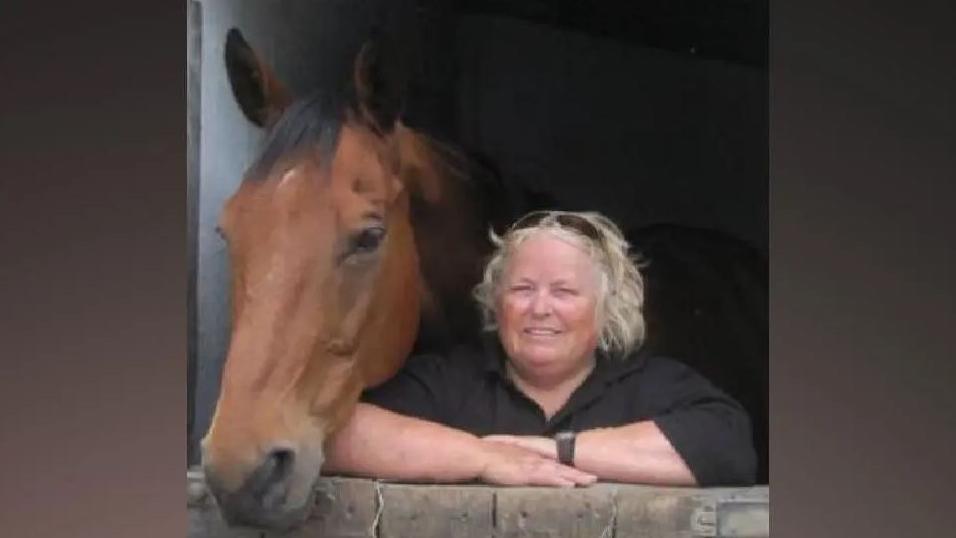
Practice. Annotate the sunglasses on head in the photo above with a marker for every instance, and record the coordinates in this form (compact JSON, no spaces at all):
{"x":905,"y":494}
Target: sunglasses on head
{"x":574,"y":222}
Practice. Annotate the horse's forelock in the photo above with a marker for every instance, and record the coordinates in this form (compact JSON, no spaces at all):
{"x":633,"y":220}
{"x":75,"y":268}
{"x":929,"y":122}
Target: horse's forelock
{"x":314,"y":121}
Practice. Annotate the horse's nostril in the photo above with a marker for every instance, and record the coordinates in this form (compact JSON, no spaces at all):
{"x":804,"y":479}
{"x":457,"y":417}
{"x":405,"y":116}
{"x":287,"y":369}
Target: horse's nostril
{"x":274,"y":468}
{"x":260,"y":501}
{"x":265,"y":485}
{"x":281,"y":461}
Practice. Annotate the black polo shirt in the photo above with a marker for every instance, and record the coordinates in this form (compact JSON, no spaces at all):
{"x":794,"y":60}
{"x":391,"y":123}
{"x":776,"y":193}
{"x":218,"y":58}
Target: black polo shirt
{"x":470,"y":390}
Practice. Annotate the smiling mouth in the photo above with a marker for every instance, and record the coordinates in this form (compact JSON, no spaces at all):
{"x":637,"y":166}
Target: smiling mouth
{"x":541,"y":331}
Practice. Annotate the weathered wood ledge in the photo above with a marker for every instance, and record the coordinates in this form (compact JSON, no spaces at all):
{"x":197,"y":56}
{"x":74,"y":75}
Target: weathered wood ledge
{"x":354,"y":508}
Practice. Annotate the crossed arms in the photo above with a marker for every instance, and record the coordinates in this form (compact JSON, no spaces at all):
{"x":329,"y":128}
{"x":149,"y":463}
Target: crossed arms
{"x":377,"y":442}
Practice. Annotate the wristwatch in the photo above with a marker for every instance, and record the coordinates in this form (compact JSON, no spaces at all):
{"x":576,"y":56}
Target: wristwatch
{"x":565,"y":443}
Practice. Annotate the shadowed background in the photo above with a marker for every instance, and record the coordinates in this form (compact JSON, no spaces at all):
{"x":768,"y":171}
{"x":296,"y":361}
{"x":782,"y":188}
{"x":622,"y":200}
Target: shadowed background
{"x":647,"y":112}
{"x":93,"y":279}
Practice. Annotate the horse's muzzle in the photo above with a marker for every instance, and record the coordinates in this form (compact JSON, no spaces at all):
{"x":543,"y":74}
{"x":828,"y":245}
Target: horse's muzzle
{"x":261,"y":501}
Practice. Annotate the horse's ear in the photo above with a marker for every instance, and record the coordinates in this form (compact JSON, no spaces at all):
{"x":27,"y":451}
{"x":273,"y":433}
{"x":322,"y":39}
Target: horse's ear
{"x":377,"y":77}
{"x":259,"y":93}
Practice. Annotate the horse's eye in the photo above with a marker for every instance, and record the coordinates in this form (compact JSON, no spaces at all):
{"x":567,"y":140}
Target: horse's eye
{"x":368,"y":240}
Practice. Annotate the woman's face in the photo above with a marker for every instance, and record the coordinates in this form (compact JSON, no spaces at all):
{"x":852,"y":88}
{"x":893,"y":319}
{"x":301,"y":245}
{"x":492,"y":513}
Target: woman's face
{"x":547,"y":308}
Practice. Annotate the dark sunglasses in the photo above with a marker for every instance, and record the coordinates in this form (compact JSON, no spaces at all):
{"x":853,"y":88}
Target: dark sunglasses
{"x":580,"y":225}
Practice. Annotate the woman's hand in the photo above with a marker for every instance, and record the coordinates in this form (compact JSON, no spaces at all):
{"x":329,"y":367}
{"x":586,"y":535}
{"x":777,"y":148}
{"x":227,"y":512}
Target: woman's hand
{"x":509,"y":464}
{"x":638,"y":453}
{"x":543,"y":446}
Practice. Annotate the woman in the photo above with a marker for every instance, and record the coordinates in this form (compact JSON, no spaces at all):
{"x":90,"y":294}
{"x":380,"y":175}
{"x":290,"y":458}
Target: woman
{"x":560,"y":394}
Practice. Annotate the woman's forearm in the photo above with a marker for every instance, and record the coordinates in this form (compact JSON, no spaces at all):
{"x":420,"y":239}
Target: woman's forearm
{"x":377,"y":442}
{"x":637,"y":452}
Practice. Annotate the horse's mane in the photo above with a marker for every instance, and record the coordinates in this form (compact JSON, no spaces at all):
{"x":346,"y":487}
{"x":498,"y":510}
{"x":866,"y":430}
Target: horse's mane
{"x":445,"y":173}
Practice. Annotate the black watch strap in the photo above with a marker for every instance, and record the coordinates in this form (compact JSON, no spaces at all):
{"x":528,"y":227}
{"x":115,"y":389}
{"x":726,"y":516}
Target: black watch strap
{"x":565,"y":443}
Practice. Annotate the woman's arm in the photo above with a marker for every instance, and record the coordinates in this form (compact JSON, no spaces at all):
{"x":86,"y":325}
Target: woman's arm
{"x":697,"y":436}
{"x":379,"y":443}
{"x":641,"y":452}
{"x":638,"y":453}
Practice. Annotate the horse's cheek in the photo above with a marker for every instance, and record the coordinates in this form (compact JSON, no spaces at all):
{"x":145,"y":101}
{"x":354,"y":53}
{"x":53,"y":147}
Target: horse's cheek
{"x":338,"y":382}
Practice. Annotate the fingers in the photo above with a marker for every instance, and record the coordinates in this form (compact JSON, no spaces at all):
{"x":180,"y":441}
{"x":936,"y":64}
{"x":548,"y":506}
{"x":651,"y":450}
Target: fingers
{"x":577,"y":477}
{"x":515,"y":466}
{"x":549,"y":473}
{"x":555,"y":481}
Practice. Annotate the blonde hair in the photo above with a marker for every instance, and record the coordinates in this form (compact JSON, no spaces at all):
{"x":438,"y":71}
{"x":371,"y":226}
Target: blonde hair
{"x":621,"y":289}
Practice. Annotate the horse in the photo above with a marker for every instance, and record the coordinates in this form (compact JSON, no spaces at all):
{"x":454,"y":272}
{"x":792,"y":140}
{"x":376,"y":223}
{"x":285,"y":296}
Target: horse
{"x":351,"y":239}
{"x":354,"y":240}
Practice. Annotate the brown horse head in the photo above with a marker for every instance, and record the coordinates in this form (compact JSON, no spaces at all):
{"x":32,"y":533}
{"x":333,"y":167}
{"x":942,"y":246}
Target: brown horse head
{"x":326,"y":284}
